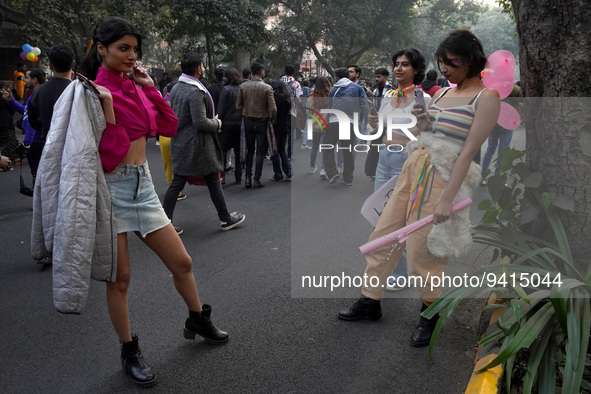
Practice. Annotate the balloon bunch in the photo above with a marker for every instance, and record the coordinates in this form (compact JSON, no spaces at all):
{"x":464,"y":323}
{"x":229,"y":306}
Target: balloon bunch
{"x":30,"y":53}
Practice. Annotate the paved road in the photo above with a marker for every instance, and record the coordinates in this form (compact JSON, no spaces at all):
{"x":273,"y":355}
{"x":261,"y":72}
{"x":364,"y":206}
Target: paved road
{"x":278,"y":343}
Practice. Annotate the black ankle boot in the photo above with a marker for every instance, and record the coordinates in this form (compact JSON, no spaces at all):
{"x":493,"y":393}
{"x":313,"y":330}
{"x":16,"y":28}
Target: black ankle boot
{"x":199,"y":323}
{"x":248,"y":182}
{"x":363,"y":308}
{"x":421,"y":336}
{"x":134,"y":364}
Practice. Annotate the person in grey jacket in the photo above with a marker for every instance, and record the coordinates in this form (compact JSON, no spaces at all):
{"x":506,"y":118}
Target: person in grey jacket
{"x":195,"y":150}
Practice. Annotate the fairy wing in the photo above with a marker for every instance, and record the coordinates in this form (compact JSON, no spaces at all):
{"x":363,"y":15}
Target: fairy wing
{"x":498,"y":74}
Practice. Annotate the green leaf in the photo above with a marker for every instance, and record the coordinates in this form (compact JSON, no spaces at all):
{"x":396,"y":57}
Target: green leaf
{"x":495,"y":256}
{"x":534,"y":180}
{"x":446,"y":313}
{"x":560,"y":234}
{"x":521,"y":293}
{"x":535,"y":298}
{"x":586,"y":385}
{"x":511,"y":154}
{"x":578,"y":326}
{"x":485,"y":205}
{"x":558,"y":296}
{"x":564,"y":202}
{"x":547,"y":198}
{"x":496,"y":186}
{"x":521,"y":170}
{"x":547,"y":370}
{"x":536,"y":354}
{"x":525,"y":336}
{"x":509,"y":367}
{"x":490,"y":216}
{"x":494,"y":337}
{"x":529,"y":213}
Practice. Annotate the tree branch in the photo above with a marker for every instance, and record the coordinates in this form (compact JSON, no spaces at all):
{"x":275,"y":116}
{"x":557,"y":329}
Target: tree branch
{"x":323,"y":61}
{"x":13,"y":16}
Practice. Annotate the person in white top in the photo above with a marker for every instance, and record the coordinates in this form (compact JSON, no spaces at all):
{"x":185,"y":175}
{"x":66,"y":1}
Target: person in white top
{"x":409,"y":71}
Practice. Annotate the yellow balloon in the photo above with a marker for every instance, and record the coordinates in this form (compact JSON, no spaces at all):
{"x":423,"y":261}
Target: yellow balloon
{"x":30,"y":56}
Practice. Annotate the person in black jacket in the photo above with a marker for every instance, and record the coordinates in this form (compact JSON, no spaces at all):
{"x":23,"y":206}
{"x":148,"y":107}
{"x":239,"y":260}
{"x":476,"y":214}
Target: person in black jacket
{"x":231,"y":120}
{"x":8,"y":142}
{"x":215,"y":89}
{"x":282,"y":126}
{"x":40,"y":109}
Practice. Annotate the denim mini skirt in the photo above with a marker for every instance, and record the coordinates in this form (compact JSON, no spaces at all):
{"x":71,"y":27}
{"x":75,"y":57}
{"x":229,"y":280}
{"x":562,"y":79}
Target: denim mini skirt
{"x":136,"y":206}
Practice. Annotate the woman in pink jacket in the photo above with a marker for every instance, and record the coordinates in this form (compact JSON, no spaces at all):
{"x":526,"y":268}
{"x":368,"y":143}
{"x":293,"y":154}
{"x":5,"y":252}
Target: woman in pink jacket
{"x":134,"y":110}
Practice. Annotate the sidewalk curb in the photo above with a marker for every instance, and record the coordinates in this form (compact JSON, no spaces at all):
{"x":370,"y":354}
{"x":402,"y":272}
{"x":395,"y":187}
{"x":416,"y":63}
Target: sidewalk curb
{"x":487,"y":382}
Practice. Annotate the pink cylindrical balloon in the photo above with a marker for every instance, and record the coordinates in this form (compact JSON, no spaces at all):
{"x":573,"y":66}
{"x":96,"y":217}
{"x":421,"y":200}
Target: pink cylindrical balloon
{"x":509,"y":118}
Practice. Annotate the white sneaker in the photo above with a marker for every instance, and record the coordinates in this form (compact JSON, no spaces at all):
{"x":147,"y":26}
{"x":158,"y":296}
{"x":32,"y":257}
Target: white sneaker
{"x":323,"y":175}
{"x":393,"y":286}
{"x":303,"y":147}
{"x":313,"y":169}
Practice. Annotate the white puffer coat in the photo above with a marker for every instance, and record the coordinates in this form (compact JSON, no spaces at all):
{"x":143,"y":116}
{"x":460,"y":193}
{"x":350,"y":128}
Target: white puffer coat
{"x":72,"y":216}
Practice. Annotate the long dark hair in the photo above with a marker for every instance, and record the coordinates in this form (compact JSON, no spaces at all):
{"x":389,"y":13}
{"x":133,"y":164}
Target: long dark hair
{"x":321,"y":87}
{"x":319,"y":96}
{"x":107,"y":31}
{"x":462,"y":43}
{"x":232,"y":76}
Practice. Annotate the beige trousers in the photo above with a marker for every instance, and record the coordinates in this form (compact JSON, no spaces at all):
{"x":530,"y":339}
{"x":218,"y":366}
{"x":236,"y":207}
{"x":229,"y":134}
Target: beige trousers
{"x":421,"y":262}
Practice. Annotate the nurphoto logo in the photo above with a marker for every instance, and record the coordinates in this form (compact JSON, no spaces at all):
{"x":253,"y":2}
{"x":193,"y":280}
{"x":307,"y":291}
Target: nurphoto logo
{"x":392,"y":123}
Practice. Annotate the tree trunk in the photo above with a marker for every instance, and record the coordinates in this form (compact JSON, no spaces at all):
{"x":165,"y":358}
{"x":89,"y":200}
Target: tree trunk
{"x":209,"y":47}
{"x":554,"y":49}
{"x":241,"y":58}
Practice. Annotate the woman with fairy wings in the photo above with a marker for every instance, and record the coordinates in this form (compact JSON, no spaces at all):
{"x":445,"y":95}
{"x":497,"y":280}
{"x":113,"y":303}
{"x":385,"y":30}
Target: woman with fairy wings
{"x":438,"y":172}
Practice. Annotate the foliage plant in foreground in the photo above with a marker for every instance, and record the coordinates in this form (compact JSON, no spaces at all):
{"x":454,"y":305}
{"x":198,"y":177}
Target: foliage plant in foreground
{"x":546,"y":323}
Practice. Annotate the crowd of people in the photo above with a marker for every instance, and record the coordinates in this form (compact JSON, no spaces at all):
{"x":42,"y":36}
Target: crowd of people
{"x":198,"y":126}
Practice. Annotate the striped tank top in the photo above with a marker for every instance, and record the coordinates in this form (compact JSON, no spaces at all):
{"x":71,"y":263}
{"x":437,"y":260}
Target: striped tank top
{"x":454,"y":122}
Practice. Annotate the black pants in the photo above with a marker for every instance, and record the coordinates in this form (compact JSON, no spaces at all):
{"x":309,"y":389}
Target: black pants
{"x":280,"y":160}
{"x":256,"y":134}
{"x":9,"y":144}
{"x":345,"y":145}
{"x":215,"y":193}
{"x":230,"y":139}
{"x":34,"y":157}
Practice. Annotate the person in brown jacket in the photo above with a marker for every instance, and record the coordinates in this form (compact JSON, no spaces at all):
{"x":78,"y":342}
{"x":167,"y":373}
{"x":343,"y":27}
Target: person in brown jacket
{"x":256,"y":104}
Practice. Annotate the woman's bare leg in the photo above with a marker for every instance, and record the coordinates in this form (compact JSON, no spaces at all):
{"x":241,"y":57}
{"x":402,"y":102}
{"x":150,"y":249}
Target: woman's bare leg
{"x":168,"y":246}
{"x":117,"y":291}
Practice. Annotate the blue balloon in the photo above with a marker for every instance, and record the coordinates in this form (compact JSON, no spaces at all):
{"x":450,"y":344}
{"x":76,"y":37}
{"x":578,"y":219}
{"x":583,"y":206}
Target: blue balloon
{"x":27,"y":48}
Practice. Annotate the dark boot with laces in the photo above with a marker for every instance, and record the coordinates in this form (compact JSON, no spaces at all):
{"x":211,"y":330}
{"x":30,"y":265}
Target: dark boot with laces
{"x":134,"y":364}
{"x":200,"y":323}
{"x":421,"y":336}
{"x":363,"y":308}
